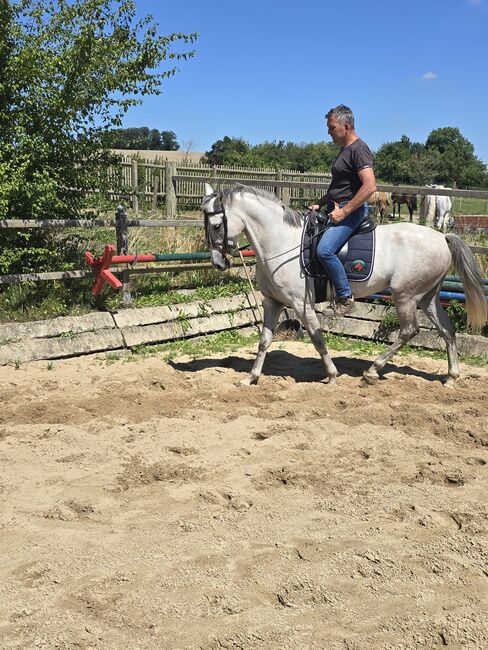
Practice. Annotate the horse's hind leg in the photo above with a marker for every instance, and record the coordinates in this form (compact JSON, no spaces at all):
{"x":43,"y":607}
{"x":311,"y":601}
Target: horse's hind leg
{"x":407,"y":316}
{"x":432,"y":307}
{"x":272,"y":310}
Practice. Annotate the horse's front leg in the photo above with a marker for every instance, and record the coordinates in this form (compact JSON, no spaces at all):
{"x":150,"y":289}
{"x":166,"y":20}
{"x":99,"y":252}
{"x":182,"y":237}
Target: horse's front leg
{"x":272,"y":310}
{"x":311,"y":324}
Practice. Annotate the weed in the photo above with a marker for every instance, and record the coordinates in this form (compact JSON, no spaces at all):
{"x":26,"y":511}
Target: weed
{"x":184,"y":320}
{"x":50,"y":365}
{"x":203,"y":310}
{"x":219,"y":343}
{"x":389,"y":323}
{"x":67,"y":335}
{"x":112,"y":357}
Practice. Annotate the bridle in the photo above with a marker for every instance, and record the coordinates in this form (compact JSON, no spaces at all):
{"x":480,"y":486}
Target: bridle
{"x":218,"y":210}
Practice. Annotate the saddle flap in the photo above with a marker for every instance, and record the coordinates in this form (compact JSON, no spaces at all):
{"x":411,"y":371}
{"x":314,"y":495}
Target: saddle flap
{"x":357,"y":254}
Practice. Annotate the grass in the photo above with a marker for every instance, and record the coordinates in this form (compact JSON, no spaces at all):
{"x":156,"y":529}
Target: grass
{"x":220,"y":343}
{"x":469,"y":206}
{"x":232,"y":340}
{"x":43,"y":300}
{"x":372,"y":348}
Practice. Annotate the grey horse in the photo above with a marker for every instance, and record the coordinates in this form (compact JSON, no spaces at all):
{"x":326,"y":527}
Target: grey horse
{"x":411,"y":260}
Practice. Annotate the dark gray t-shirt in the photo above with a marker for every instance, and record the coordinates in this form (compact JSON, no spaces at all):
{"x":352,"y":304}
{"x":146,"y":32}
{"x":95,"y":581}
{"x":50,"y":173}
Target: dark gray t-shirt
{"x":345,"y":180}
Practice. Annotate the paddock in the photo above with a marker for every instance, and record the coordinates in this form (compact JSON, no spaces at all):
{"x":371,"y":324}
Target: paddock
{"x":159,"y":504}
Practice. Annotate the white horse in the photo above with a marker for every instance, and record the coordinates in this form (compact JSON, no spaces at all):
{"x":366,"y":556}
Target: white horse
{"x":436,"y":210}
{"x":412,"y":260}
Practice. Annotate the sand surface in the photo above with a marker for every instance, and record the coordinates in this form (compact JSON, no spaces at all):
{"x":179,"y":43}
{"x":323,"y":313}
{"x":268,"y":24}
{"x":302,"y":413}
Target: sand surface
{"x":153,"y":505}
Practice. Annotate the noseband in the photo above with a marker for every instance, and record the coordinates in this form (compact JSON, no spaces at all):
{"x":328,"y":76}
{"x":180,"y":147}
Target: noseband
{"x":218,"y":210}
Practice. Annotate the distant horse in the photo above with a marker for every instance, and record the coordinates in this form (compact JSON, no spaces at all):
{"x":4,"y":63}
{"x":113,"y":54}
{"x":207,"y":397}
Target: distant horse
{"x":380,"y":202}
{"x":412,"y":260}
{"x":409,"y":199}
{"x":436,"y":210}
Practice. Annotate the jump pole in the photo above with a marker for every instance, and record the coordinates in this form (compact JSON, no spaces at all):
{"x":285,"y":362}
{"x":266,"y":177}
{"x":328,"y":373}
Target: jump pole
{"x":101,"y":265}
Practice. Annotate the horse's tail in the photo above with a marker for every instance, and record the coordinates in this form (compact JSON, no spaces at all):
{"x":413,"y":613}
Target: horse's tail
{"x":465,"y":264}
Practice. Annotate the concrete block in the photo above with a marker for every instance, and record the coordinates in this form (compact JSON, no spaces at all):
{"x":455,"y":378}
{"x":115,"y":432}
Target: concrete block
{"x":163,"y":332}
{"x":153,"y":315}
{"x":56,"y":326}
{"x":57,"y":348}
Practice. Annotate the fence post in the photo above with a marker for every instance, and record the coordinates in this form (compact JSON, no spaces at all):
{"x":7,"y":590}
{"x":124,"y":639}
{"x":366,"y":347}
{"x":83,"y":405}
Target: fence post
{"x":170,"y":194}
{"x":123,"y":249}
{"x":134,"y":185}
{"x":285,"y":194}
{"x":278,"y":190}
{"x":155,"y":191}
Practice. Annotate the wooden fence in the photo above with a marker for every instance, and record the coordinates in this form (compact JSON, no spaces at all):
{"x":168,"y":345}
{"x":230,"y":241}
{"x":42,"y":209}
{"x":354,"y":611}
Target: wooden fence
{"x":175,"y":183}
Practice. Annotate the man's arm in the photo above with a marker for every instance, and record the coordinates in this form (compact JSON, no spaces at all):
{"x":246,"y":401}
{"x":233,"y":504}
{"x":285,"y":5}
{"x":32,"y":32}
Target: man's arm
{"x":318,"y":204}
{"x":367,"y":188}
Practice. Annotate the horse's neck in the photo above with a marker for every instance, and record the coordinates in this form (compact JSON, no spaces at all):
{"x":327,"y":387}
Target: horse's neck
{"x":268,"y":233}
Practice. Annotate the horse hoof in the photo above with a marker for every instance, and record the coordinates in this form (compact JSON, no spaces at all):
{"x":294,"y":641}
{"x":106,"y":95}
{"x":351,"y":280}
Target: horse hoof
{"x":370,"y":378}
{"x":450,"y":382}
{"x":249,"y":381}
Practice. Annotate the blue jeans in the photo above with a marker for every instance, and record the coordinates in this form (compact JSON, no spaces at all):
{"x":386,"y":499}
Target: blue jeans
{"x":331,"y":243}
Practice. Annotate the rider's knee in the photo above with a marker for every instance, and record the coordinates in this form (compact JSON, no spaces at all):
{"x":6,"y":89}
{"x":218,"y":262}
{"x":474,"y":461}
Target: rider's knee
{"x":325,"y":252}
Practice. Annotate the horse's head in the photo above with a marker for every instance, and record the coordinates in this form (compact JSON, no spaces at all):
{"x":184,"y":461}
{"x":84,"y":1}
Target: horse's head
{"x":220,"y":232}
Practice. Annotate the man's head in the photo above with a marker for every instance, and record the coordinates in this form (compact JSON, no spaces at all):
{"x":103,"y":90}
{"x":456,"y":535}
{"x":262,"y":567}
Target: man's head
{"x":340,"y":124}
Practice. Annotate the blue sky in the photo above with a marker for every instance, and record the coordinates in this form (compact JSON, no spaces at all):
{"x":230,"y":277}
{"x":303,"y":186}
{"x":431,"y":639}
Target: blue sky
{"x":270,"y":70}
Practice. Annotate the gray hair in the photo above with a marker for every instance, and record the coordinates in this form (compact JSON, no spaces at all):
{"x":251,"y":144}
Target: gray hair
{"x":342,"y":114}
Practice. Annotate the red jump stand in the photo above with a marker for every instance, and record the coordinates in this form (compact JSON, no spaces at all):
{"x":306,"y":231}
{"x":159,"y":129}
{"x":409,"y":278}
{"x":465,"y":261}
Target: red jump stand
{"x":102,"y":267}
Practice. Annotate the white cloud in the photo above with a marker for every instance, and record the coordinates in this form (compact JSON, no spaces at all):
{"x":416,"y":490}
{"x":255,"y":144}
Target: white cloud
{"x":429,"y":75}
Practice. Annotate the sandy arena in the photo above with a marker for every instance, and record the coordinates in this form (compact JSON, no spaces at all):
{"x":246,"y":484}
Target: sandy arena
{"x":162,"y":506}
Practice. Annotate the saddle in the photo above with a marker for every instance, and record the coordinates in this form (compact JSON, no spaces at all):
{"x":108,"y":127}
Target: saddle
{"x":357,"y":254}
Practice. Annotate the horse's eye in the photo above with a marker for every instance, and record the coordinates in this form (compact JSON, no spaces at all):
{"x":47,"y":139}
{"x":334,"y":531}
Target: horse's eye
{"x":217,"y":226}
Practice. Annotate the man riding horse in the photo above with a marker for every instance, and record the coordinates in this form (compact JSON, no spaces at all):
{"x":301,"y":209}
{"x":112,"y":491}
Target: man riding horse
{"x":353,"y":182}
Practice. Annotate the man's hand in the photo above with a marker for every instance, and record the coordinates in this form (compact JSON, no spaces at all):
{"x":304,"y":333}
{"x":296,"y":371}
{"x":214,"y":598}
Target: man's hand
{"x":337,"y":215}
{"x":314,"y":206}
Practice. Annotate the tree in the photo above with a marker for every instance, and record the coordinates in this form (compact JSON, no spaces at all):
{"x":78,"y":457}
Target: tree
{"x":142,"y":138}
{"x":446,"y":157}
{"x":278,"y":154}
{"x":154,"y":140}
{"x":458,"y":163}
{"x":69,"y":71}
{"x":392,"y":161}
{"x":228,"y":151}
{"x":168,"y":141}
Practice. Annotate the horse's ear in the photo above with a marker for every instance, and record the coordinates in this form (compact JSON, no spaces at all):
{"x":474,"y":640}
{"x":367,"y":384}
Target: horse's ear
{"x":208,"y":189}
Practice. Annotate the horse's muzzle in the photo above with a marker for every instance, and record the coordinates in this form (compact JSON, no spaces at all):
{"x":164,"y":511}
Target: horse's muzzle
{"x":220,"y":261}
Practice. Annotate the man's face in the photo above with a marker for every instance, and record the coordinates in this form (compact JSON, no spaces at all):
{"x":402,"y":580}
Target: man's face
{"x":337,"y":131}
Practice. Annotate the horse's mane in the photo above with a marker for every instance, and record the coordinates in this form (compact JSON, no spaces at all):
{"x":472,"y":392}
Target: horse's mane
{"x":292,"y":218}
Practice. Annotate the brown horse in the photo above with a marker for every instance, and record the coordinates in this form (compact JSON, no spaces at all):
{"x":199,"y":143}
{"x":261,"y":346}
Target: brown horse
{"x":409,"y":199}
{"x":380,"y":202}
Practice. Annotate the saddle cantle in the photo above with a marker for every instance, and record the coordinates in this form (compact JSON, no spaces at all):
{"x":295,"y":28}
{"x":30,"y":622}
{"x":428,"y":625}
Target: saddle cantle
{"x":357,"y":254}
